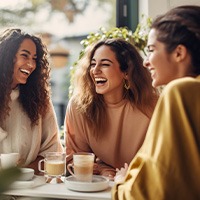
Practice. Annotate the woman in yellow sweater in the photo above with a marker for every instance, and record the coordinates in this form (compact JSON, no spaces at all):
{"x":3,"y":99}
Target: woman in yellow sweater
{"x":168,"y":164}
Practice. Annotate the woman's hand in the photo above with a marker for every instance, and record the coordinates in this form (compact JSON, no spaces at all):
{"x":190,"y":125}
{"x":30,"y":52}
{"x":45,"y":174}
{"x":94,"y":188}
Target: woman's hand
{"x":109,"y":174}
{"x":120,"y":175}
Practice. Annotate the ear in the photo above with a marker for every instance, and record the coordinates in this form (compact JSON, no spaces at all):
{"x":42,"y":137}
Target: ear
{"x":180,"y":53}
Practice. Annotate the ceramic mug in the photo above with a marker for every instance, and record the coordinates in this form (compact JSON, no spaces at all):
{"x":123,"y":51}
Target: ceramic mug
{"x":82,"y":166}
{"x":9,"y":160}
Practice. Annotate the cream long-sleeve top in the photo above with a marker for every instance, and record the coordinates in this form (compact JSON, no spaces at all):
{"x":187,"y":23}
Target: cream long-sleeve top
{"x":121,"y":139}
{"x":167,"y":167}
{"x":18,"y":136}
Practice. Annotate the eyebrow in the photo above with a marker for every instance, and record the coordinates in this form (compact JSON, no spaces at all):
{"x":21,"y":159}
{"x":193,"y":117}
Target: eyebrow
{"x":102,"y":60}
{"x":107,"y":60}
{"x":28,"y":52}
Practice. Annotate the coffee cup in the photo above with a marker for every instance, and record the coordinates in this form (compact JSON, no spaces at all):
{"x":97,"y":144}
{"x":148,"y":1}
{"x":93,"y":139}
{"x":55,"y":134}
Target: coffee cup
{"x":82,"y":166}
{"x":54,"y":165}
{"x":9,"y":160}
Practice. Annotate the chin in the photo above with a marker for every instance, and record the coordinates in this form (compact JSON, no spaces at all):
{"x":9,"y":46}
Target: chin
{"x":23,"y":82}
{"x":156,"y":83}
{"x":100,"y":92}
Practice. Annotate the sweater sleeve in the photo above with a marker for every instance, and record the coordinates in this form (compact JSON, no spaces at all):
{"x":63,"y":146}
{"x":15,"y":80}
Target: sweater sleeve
{"x":75,"y":135}
{"x":104,"y":169}
{"x":50,"y":133}
{"x":3,"y":134}
{"x":76,"y":139}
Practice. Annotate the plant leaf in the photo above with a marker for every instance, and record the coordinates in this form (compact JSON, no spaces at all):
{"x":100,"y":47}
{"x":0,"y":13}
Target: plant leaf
{"x":7,"y":177}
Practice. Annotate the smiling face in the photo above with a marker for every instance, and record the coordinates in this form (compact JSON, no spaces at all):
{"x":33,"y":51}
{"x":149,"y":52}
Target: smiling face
{"x":24,"y":63}
{"x":162,"y":65}
{"x":106,"y":74}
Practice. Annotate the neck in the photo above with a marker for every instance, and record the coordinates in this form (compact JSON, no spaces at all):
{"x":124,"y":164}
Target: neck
{"x":114,"y":100}
{"x":14,"y":87}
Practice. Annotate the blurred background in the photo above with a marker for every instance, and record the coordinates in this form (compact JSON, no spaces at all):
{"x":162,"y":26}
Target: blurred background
{"x":59,"y":20}
{"x":63,"y":24}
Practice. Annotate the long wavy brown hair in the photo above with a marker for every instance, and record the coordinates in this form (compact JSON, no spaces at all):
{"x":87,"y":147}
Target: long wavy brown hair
{"x":34,"y":95}
{"x":141,"y":93}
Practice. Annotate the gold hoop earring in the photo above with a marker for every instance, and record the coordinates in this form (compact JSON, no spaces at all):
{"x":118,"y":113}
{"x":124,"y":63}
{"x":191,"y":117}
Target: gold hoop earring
{"x":126,"y":86}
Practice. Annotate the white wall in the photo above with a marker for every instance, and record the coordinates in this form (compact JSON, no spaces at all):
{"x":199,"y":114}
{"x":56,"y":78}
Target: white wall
{"x":152,"y":8}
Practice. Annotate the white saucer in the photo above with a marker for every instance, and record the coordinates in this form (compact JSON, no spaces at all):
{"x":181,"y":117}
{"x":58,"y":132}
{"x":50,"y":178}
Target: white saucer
{"x":34,"y":182}
{"x":98,"y":183}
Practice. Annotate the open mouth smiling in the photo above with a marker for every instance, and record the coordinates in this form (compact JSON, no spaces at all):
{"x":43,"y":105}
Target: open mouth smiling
{"x":100,"y":81}
{"x":26,"y":72}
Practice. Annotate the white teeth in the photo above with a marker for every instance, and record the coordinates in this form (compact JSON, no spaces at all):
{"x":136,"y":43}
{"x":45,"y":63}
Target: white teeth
{"x":25,"y":71}
{"x":100,"y":79}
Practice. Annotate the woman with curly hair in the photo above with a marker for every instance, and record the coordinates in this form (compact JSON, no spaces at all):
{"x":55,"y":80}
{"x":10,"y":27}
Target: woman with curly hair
{"x":111,"y":106}
{"x":27,"y":119}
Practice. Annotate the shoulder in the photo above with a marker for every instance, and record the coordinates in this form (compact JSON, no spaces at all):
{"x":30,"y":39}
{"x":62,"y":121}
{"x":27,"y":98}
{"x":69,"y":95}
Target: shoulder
{"x":72,"y":104}
{"x":50,"y":109}
{"x":72,"y":107}
{"x":73,"y":113}
{"x":182,"y":86}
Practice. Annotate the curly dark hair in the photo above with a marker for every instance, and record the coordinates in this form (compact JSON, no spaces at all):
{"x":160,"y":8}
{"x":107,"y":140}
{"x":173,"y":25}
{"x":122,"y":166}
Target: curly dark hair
{"x":34,"y":95}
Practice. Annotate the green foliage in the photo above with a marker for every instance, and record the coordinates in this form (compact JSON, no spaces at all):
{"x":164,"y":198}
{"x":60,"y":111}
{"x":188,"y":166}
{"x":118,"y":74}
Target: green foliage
{"x":137,"y":38}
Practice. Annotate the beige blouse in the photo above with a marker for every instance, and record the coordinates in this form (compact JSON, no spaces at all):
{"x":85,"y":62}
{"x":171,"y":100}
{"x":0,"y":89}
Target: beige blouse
{"x":18,"y":136}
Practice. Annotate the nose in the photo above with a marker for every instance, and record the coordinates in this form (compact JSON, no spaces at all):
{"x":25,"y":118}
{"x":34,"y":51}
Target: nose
{"x":96,"y":69}
{"x":31,"y":64}
{"x":146,"y":62}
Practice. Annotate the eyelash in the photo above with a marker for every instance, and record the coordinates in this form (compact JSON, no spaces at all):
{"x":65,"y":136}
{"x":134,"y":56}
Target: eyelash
{"x":26,"y":56}
{"x":103,"y":64}
{"x":92,"y":65}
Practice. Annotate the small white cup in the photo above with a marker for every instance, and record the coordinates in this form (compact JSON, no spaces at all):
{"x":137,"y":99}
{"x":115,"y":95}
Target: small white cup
{"x":26,"y":174}
{"x":9,"y":160}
